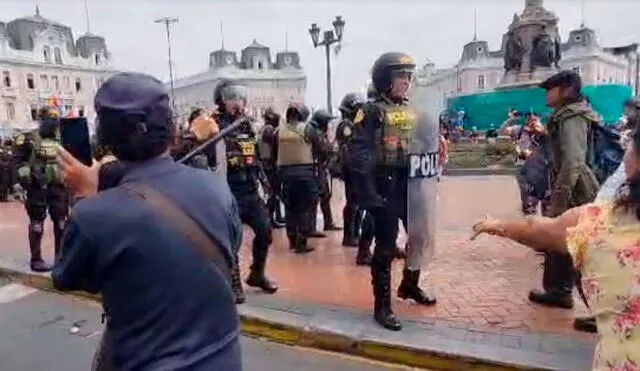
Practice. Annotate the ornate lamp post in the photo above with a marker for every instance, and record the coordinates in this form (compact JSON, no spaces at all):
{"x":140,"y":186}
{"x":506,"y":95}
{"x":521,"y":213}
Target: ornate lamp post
{"x":330,"y":37}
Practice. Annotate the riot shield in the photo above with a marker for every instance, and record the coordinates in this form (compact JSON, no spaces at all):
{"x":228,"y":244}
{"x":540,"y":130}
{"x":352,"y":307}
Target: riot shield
{"x":422,"y":189}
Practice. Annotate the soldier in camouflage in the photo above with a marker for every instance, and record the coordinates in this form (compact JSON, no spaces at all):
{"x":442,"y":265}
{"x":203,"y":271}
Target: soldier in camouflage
{"x":39,"y":174}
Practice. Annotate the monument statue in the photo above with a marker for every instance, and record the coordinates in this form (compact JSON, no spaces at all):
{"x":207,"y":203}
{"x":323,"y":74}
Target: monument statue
{"x":533,"y":4}
{"x":543,"y":50}
{"x":514,"y":52}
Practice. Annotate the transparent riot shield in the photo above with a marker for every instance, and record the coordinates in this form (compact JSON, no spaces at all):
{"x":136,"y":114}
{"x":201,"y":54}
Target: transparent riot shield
{"x":422,"y":189}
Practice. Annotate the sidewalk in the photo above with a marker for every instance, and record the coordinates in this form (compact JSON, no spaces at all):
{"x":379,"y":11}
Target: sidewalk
{"x":482,"y":316}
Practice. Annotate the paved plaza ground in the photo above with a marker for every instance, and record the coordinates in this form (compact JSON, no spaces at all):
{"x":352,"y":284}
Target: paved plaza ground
{"x":481,"y":284}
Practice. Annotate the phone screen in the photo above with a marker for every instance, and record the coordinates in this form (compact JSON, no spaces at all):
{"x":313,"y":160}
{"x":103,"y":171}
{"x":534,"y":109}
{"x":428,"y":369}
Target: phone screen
{"x":75,"y":138}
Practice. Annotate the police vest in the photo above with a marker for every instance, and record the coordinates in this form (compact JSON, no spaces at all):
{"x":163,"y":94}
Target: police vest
{"x":393,"y":137}
{"x":241,"y":151}
{"x":265,"y":149}
{"x":294,"y":147}
{"x":46,"y":161}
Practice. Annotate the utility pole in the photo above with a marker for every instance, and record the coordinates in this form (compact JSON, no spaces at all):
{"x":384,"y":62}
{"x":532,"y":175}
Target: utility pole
{"x":167,"y":23}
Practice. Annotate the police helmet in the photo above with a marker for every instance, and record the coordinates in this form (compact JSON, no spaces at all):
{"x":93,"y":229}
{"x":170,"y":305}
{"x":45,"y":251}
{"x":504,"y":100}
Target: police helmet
{"x":228,"y":90}
{"x":48,"y":112}
{"x":321,"y":119}
{"x":389,"y":65}
{"x":350,"y":103}
{"x":270,"y":116}
{"x":297,"y":111}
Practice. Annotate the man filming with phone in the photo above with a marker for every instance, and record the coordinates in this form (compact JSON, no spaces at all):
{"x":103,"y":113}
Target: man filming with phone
{"x":35,"y":154}
{"x":159,"y":246}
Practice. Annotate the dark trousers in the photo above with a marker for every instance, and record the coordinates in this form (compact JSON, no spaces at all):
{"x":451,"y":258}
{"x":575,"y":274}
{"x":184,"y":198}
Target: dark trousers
{"x":300,"y":192}
{"x":559,"y":273}
{"x":254,"y":213}
{"x":350,"y":215}
{"x":385,"y":219}
{"x":53,"y":199}
{"x":273,"y":200}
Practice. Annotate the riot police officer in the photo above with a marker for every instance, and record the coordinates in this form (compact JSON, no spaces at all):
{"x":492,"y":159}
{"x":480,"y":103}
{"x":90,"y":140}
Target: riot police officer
{"x":380,"y":157}
{"x":39,"y":174}
{"x":351,"y":214}
{"x":321,"y":156}
{"x":296,"y":140}
{"x":244,"y":171}
{"x":267,"y":155}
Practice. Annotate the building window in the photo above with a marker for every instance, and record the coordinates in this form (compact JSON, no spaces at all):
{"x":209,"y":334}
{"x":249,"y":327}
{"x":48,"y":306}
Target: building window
{"x":57,"y":55}
{"x":6,"y":79}
{"x":81,"y":111}
{"x":55,"y":82}
{"x":44,"y":81}
{"x":68,"y":108}
{"x":577,"y":70}
{"x":46,"y":52}
{"x":78,"y":84}
{"x":66,"y":83}
{"x":481,"y":82}
{"x":11,"y":110}
{"x":97,"y":57}
{"x":30,"y":82}
{"x":260,"y":65}
{"x":34,"y":112}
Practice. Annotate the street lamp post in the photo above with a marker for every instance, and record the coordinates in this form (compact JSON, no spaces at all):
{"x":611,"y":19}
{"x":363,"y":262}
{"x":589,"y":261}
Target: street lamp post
{"x":168,"y":22}
{"x":330,"y":37}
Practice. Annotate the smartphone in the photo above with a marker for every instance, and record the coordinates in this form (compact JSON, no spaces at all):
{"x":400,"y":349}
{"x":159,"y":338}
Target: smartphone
{"x":74,"y":133}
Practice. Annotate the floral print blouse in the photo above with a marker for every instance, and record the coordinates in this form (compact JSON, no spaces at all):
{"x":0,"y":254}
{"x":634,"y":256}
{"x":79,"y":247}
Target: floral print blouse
{"x":605,"y":246}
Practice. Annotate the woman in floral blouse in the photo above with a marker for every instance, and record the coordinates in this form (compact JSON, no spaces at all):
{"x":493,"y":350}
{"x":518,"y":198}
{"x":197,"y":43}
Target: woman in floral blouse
{"x":604,"y":240}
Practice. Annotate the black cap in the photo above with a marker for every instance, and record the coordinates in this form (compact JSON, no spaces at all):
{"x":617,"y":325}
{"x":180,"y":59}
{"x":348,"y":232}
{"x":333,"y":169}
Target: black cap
{"x":566,"y":79}
{"x":135,"y":94}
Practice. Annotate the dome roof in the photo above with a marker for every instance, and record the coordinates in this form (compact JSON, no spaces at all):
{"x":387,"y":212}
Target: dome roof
{"x":37,"y":18}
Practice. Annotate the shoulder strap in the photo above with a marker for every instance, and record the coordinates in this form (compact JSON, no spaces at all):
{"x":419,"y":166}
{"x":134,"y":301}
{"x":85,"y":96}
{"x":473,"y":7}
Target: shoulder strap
{"x":163,"y":206}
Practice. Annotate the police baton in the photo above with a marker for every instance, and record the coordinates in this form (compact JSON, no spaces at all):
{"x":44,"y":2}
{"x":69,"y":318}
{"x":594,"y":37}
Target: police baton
{"x":221,"y":134}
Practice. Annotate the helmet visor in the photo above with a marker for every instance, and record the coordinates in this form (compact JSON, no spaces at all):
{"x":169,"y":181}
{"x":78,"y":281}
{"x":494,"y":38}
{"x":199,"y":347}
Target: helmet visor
{"x":233,"y":93}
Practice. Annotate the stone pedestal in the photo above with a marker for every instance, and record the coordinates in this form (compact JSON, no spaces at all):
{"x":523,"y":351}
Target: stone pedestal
{"x":526,"y":26}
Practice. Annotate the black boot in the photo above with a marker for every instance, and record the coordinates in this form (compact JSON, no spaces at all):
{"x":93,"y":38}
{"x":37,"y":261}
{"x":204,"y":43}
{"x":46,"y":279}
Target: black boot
{"x":37,"y":264}
{"x":586,"y":324}
{"x":381,"y":279}
{"x":256,"y":276}
{"x":236,"y":285}
{"x":364,"y":252}
{"x":349,"y":235}
{"x":552,"y":298}
{"x":409,"y":288}
{"x":302,"y":245}
{"x":58,"y":229}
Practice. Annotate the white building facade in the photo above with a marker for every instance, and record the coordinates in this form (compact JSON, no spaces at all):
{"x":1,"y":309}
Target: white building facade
{"x":270,"y":82}
{"x":482,"y":70}
{"x":41,"y":63}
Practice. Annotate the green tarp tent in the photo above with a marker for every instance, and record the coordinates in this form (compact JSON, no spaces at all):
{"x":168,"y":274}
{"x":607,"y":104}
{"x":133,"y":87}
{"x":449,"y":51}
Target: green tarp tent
{"x":485,"y":109}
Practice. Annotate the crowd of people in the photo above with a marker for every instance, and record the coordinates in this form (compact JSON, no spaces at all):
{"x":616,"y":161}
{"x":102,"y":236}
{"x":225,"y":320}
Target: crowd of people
{"x":165,"y":260}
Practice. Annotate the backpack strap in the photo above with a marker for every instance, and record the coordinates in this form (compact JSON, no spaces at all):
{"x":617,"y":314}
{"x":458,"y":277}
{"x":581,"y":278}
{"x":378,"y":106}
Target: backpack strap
{"x":177,"y":217}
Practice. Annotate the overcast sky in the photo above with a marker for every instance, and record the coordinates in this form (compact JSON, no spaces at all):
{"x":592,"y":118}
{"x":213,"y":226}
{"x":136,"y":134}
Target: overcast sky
{"x":434,"y":29}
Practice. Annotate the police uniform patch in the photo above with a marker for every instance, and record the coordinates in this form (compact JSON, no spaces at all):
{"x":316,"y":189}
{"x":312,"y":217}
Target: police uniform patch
{"x":359,"y":116}
{"x":20,"y":140}
{"x":347,"y":131}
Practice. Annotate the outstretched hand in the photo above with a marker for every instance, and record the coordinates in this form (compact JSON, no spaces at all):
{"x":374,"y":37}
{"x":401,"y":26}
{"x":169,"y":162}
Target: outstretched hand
{"x":487,"y":225}
{"x":81,"y":179}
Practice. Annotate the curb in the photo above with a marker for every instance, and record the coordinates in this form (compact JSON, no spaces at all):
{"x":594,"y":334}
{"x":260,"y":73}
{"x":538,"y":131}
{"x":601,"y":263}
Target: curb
{"x":353,"y":337}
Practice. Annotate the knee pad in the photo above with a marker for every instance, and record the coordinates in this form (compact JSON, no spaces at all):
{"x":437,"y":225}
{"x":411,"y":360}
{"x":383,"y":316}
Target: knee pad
{"x":58,"y":224}
{"x":36,"y":227}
